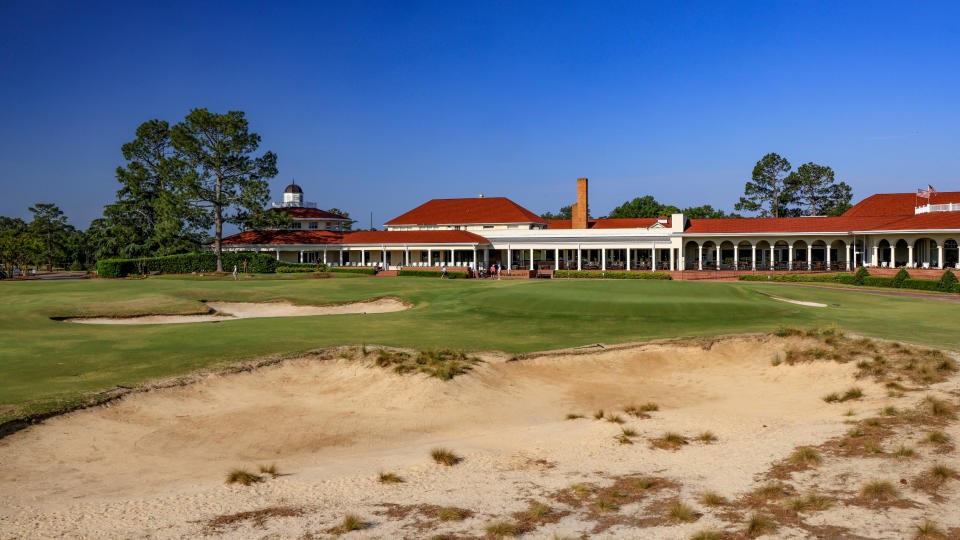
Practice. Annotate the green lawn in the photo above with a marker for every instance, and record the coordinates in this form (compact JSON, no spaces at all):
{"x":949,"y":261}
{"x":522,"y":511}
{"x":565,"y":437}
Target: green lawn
{"x":43,"y":362}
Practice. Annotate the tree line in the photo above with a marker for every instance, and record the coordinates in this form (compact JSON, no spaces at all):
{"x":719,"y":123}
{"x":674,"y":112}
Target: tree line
{"x":774,"y":190}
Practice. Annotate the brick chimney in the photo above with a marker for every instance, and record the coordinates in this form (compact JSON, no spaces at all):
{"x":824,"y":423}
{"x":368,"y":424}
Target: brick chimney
{"x":580,"y":208}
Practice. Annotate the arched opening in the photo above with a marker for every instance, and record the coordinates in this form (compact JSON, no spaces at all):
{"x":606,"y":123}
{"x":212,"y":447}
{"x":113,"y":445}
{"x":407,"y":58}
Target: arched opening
{"x":781,"y":255}
{"x":763,"y":255}
{"x":884,"y":253}
{"x":709,"y":255}
{"x":691,"y":255}
{"x":900,"y":254}
{"x":818,"y":255}
{"x":951,"y":254}
{"x":744,"y":253}
{"x":925,"y":253}
{"x":838,"y":255}
{"x":799,"y":250}
{"x":726,"y":255}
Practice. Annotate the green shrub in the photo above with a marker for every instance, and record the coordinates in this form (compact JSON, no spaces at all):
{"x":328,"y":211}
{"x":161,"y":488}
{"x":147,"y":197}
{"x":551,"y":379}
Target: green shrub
{"x":847,"y":279}
{"x":877,"y":281}
{"x":860,"y":276}
{"x":300,"y":267}
{"x":795,"y":278}
{"x":431,"y":273}
{"x":921,"y":284}
{"x":898,"y":279}
{"x":352,"y":270}
{"x":186,"y":263}
{"x":948,"y":281}
{"x":597,"y":274}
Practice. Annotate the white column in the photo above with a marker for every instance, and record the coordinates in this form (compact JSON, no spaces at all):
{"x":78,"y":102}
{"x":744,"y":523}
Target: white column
{"x":736,"y":256}
{"x":451,"y":257}
{"x":771,"y":256}
{"x":716,"y":249}
{"x":700,"y":256}
{"x":827,"y":252}
{"x":474,"y":259}
{"x":876,"y":259}
{"x":909,"y":254}
{"x":672,"y":258}
{"x":556,"y":258}
{"x":429,"y":257}
{"x":579,"y":257}
{"x":848,"y":257}
{"x":509,"y":257}
{"x":790,"y":258}
{"x":753,"y":257}
{"x":324,"y":255}
{"x":603,"y":259}
{"x":940,"y":255}
{"x":628,"y":259}
{"x":278,"y":254}
{"x":810,"y":256}
{"x":531,"y":258}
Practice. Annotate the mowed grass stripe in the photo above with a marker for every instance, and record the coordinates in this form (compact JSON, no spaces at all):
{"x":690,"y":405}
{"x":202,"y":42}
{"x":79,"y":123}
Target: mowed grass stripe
{"x":43,"y":360}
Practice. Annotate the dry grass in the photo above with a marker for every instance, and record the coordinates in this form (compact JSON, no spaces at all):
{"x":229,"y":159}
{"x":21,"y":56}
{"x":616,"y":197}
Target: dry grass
{"x":350,"y":522}
{"x":452,"y":513}
{"x":499,"y":529}
{"x":939,"y":407}
{"x":879,"y":491}
{"x":444,"y":456}
{"x":539,"y":510}
{"x":929,"y":530}
{"x":806,"y":455}
{"x":270,"y":469}
{"x":770,"y":490}
{"x":627,"y":432}
{"x":682,"y":512}
{"x":904,"y":452}
{"x":670,"y":441}
{"x":243,"y":477}
{"x":574,"y":416}
{"x":607,"y":505}
{"x":707,"y":437}
{"x":389,"y":478}
{"x":616,"y":419}
{"x":257,"y":517}
{"x":444,"y":364}
{"x":935,"y":477}
{"x":759,"y":525}
{"x":811,"y":501}
{"x":937,"y":437}
{"x":707,"y":534}
{"x":712,"y":498}
{"x":598,"y":415}
{"x":623,"y":439}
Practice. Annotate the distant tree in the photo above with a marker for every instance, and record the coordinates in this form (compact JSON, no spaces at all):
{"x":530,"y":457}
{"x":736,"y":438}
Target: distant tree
{"x":151,"y":215}
{"x":18,"y":248}
{"x":643,"y":207}
{"x":224,"y":179}
{"x":565,"y":212}
{"x":14,"y":224}
{"x":706,"y":212}
{"x":50,"y":225}
{"x":347,"y":226}
{"x":816,"y":192}
{"x":766,"y":193}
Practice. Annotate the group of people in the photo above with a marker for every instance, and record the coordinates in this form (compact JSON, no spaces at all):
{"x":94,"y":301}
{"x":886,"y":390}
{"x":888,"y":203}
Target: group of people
{"x":481,"y":273}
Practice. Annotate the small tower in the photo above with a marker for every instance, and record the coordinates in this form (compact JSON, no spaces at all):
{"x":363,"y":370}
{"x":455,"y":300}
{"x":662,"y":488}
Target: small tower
{"x":293,"y":195}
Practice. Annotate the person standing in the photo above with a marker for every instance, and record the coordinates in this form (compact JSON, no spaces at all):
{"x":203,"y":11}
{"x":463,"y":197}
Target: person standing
{"x":443,"y":272}
{"x":234,"y":272}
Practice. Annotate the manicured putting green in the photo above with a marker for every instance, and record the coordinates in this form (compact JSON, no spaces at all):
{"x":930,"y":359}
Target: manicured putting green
{"x":42,"y":360}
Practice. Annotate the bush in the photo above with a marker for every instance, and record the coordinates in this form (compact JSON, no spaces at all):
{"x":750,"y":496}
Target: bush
{"x":847,"y":279}
{"x":860,"y":276}
{"x":597,"y":274}
{"x":288,"y":267}
{"x":898,"y":279}
{"x":186,"y":263}
{"x":431,"y":273}
{"x":877,"y":281}
{"x":948,"y":281}
{"x":921,"y":284}
{"x":794,"y":278}
{"x":352,"y":270}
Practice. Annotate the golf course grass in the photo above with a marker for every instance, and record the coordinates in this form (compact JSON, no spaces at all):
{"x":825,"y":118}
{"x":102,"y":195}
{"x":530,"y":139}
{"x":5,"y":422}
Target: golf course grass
{"x":47,"y":365}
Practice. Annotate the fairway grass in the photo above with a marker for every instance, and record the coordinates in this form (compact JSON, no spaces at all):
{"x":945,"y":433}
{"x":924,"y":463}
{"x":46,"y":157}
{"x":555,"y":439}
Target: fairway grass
{"x":47,"y":365}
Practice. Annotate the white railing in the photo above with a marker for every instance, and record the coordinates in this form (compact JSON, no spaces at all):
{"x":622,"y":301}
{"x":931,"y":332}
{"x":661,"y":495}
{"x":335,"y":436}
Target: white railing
{"x":294,"y":204}
{"x":926,"y":209}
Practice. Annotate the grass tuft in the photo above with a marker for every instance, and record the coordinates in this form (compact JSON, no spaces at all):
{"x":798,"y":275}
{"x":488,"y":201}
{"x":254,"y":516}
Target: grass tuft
{"x":270,"y":469}
{"x":389,"y":478}
{"x":444,"y":456}
{"x":628,"y":432}
{"x":904,"y":452}
{"x":615,"y":419}
{"x":451,"y":513}
{"x":712,"y":498}
{"x":243,"y":477}
{"x":879,"y":490}
{"x":707,"y":534}
{"x":644,"y":483}
{"x":674,"y":439}
{"x":937,"y":437}
{"x":682,"y":512}
{"x":574,"y":416}
{"x":539,"y":510}
{"x":707,"y":437}
{"x":929,"y":530}
{"x":352,"y":522}
{"x":759,"y":525}
{"x":806,"y":455}
{"x":598,"y":415}
{"x":940,"y":407}
{"x":499,"y":529}
{"x":606,"y":505}
{"x":854,"y":392}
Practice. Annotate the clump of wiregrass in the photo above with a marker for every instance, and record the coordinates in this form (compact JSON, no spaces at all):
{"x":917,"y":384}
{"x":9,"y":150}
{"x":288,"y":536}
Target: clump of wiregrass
{"x":598,"y":415}
{"x":645,"y":483}
{"x":890,"y":410}
{"x":640,"y":411}
{"x":707,"y":437}
{"x":580,"y":489}
{"x":243,"y":477}
{"x":928,"y":530}
{"x":670,"y":440}
{"x":444,"y":364}
{"x":937,"y":437}
{"x":854,"y":392}
{"x":712,"y":498}
{"x":759,"y":525}
{"x":935,"y":477}
{"x":904,"y":452}
{"x":574,"y":416}
{"x":615,"y":419}
{"x":810,"y":501}
{"x":771,"y":490}
{"x":623,"y":439}
{"x":445,"y":456}
{"x":389,"y":478}
{"x":872,"y":447}
{"x":270,"y":470}
{"x":538,"y":510}
{"x":452,"y":513}
{"x":939,"y":407}
{"x":806,"y":455}
{"x":629,"y":432}
{"x":501,"y":528}
{"x":776,"y":360}
{"x":351,"y":522}
{"x":607,"y":505}
{"x":879,"y":491}
{"x":682,"y":512}
{"x":707,"y":534}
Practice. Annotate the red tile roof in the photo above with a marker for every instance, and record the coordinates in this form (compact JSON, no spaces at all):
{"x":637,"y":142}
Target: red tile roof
{"x":284,"y":237}
{"x":478,"y":210}
{"x":897,"y":204}
{"x":783,"y":225}
{"x":935,"y":220}
{"x":618,"y":223}
{"x":301,"y":212}
{"x":413,"y":237}
{"x":358,"y":237}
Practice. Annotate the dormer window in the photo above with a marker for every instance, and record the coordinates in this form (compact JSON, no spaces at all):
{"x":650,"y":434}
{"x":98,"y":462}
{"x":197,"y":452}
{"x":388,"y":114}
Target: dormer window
{"x":314,"y":225}
{"x":297,"y":225}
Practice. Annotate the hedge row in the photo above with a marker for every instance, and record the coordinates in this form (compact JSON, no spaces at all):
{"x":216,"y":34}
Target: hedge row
{"x":352,"y":270}
{"x":793,"y":278}
{"x":947,"y":283}
{"x":431,"y":273}
{"x":595,"y":274}
{"x":186,"y":263}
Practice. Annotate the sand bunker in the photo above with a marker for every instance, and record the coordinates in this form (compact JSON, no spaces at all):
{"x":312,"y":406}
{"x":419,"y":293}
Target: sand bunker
{"x":225,"y":311}
{"x":797,"y":302}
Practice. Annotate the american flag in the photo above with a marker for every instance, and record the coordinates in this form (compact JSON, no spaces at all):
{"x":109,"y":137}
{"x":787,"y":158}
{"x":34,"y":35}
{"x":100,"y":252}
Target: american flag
{"x":925,"y":193}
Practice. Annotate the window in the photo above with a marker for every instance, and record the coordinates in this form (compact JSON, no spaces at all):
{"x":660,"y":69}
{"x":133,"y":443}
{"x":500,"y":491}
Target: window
{"x":512,"y":226}
{"x":314,"y":224}
{"x":488,"y":226}
{"x":296,"y":225}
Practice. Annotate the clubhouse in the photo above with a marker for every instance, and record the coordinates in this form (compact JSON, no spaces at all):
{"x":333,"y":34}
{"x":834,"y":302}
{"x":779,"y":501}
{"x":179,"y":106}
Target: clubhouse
{"x":885,"y":230}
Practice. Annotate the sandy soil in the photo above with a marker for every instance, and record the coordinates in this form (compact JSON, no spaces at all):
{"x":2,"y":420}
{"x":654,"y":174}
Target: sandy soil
{"x":153,"y":464}
{"x":225,"y":311}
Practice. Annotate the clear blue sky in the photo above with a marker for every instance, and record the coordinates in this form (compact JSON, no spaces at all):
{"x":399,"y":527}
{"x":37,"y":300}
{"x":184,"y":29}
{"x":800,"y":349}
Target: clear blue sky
{"x":381,"y":106}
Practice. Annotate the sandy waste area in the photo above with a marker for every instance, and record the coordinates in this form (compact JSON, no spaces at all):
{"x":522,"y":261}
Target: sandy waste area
{"x":153,"y":464}
{"x":225,"y":311}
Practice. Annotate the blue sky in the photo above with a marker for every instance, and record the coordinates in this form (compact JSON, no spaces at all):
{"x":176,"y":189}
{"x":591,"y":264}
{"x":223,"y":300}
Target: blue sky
{"x":381,"y":106}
